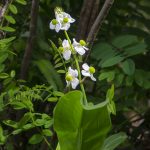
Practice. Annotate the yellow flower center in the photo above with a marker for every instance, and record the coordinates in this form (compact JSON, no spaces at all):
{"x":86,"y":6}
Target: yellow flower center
{"x":65,"y":20}
{"x":82,"y":42}
{"x":69,"y":77}
{"x":92,"y":70}
{"x":54,"y":21}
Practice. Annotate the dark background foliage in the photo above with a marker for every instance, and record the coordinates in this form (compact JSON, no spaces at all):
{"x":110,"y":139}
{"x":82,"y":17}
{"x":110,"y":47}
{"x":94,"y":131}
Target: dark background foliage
{"x":120,"y":54}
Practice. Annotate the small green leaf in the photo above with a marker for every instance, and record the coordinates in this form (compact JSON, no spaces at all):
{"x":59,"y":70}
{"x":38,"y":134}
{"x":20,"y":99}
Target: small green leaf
{"x":7,"y":29}
{"x":2,"y":137}
{"x":47,"y":132}
{"x":57,"y":93}
{"x":35,"y":139}
{"x":3,"y":75}
{"x":23,"y":2}
{"x":114,"y":140}
{"x":10,"y":19}
{"x":61,"y":71}
{"x":52,"y":99}
{"x":58,"y":65}
{"x":128,"y":66}
{"x":13,"y":73}
{"x":112,"y":61}
{"x":13,"y":9}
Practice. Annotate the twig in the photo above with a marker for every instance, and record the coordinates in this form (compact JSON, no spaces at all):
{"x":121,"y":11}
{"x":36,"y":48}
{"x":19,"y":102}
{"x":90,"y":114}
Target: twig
{"x":3,"y":10}
{"x":98,"y":22}
{"x":31,"y":39}
{"x":84,"y":19}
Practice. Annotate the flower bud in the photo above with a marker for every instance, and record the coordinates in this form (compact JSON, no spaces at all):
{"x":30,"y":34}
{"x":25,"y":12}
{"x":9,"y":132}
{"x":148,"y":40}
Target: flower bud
{"x":68,"y":77}
{"x":92,"y":70}
{"x":82,"y":42}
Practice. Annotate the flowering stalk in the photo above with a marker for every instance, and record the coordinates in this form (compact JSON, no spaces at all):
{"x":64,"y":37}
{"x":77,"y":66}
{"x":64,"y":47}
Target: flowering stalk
{"x":78,"y":68}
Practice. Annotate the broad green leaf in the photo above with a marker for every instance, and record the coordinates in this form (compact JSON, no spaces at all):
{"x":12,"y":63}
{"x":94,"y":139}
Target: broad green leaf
{"x":112,"y":61}
{"x":7,"y":40}
{"x":124,"y":40}
{"x":35,"y":139}
{"x":23,"y":2}
{"x":109,"y":75}
{"x":80,"y":127}
{"x":128,"y":66}
{"x":114,"y":141}
{"x":13,"y":73}
{"x":7,"y":29}
{"x":10,"y":19}
{"x":3,"y":57}
{"x":136,"y":49}
{"x":11,"y":123}
{"x":13,"y":9}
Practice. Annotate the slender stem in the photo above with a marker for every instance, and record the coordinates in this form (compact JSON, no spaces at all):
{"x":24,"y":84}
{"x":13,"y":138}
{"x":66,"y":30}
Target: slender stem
{"x":78,"y":68}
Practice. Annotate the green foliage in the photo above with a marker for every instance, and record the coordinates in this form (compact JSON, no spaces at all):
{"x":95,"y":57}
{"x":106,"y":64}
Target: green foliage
{"x":113,"y":141}
{"x":82,"y":126}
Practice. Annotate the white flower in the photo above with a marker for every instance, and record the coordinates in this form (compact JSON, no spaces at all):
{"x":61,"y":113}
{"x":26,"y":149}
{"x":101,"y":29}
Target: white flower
{"x":88,"y":71}
{"x":71,"y":78}
{"x":65,"y":50}
{"x":79,"y":47}
{"x":55,"y":25}
{"x":65,"y":19}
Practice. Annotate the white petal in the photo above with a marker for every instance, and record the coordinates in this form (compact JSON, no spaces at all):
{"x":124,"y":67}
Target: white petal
{"x":58,"y":26}
{"x":85,"y":48}
{"x":51,"y":26}
{"x":92,"y":77}
{"x":74,"y":72}
{"x":65,"y":26}
{"x":74,"y":83}
{"x":75,"y":43}
{"x":67,"y":54}
{"x":65,"y":43}
{"x":85,"y":66}
{"x":85,"y":73}
{"x":80,"y":50}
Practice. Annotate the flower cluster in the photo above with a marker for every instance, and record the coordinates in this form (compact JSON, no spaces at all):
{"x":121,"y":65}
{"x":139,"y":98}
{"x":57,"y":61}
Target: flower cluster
{"x":62,"y":21}
{"x":68,"y":48}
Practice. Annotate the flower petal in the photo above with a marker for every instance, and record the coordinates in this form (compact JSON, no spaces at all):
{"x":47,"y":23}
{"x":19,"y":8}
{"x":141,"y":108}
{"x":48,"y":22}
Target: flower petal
{"x":85,"y":73}
{"x":68,"y":83}
{"x":51,"y":25}
{"x":67,"y":54}
{"x":74,"y":72}
{"x":74,"y":83}
{"x":85,"y":48}
{"x":85,"y":66}
{"x":65,"y":26}
{"x":65,"y":43}
{"x":80,"y":50}
{"x":92,"y":77}
{"x":58,"y":26}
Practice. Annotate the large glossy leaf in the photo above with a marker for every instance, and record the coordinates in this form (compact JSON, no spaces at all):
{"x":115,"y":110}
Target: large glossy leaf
{"x":80,"y":127}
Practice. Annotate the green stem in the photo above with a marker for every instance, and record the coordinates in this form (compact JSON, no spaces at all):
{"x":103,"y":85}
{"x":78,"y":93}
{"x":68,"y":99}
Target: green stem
{"x":78,"y":68}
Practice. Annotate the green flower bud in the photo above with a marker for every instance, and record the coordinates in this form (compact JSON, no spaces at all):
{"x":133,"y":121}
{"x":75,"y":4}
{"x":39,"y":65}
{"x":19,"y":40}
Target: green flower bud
{"x":82,"y":42}
{"x":61,"y":49}
{"x":65,"y":20}
{"x":69,"y":77}
{"x":92,"y":70}
{"x":54,"y":21}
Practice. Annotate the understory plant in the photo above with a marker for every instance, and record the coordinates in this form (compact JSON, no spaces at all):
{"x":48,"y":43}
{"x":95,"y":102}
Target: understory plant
{"x":80,"y":124}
